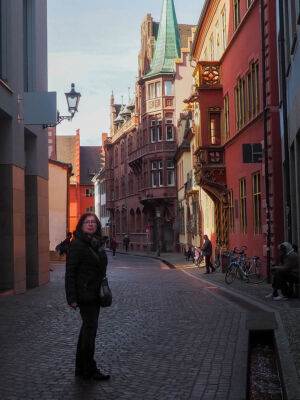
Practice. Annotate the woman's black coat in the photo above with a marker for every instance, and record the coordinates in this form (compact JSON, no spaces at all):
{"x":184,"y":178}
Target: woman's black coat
{"x":85,"y":268}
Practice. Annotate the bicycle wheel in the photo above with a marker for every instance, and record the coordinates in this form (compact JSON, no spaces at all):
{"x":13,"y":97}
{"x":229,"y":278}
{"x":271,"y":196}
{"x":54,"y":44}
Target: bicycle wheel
{"x":231,"y":274}
{"x":254,"y":273}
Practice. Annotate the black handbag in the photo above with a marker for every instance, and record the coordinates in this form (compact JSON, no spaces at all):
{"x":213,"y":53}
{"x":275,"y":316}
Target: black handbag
{"x":105,"y":293}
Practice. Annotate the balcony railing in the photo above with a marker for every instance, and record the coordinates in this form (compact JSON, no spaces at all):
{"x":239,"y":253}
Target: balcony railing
{"x":149,"y":148}
{"x":160,"y":193}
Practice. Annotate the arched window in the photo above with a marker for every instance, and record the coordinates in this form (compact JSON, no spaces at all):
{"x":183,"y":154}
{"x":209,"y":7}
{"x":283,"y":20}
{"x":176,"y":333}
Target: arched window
{"x":138,"y":220}
{"x":116,"y":157}
{"x":124,"y":225}
{"x":122,"y":152}
{"x":117,"y":189}
{"x":132,"y":221}
{"x":118,"y":228}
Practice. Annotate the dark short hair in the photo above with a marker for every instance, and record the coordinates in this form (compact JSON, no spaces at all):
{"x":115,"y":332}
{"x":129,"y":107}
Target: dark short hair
{"x":82,"y":219}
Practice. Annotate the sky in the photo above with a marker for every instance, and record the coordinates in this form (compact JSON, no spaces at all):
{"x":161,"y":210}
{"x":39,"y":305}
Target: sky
{"x":95,"y":44}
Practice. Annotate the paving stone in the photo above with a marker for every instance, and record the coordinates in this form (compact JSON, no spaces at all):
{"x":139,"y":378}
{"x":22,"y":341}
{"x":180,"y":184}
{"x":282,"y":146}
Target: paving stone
{"x":165,"y":337}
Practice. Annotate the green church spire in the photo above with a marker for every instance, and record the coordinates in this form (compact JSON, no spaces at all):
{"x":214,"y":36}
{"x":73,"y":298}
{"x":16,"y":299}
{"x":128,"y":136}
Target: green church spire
{"x":168,"y":44}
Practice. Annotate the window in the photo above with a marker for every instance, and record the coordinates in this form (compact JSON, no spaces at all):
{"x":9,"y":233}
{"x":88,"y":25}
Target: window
{"x":224,"y":39}
{"x":212,"y":47}
{"x":152,"y":134}
{"x":89,"y":192}
{"x":159,"y":131}
{"x":256,"y":196}
{"x":253,"y":90}
{"x":249,"y":3}
{"x":170,"y":178}
{"x":168,"y":88}
{"x":240,"y":104}
{"x":231,"y":211}
{"x":243,"y":205}
{"x":226,"y":116}
{"x":217,"y":41}
{"x":170,"y":164}
{"x":169,"y":132}
{"x":153,"y":179}
{"x":170,"y":173}
{"x":158,"y":89}
{"x":236,"y":13}
{"x":214,"y":127}
{"x":90,"y":209}
{"x":112,"y":195}
{"x":151,"y":91}
{"x":160,"y":173}
{"x":116,"y":156}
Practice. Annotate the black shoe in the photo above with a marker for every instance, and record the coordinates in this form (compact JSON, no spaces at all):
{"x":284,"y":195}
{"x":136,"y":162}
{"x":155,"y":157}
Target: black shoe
{"x":99,"y":376}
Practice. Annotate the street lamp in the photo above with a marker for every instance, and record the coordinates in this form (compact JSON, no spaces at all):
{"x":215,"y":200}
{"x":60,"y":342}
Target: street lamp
{"x":73,"y":98}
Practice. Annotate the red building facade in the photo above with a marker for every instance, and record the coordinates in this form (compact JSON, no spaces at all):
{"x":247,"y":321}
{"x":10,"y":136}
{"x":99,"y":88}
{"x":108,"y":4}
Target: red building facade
{"x":238,"y":126}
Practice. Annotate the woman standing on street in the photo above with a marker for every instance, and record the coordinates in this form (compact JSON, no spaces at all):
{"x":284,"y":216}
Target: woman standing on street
{"x":85,"y":268}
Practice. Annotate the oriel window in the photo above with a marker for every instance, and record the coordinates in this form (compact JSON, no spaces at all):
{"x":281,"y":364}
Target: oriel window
{"x":214,"y":127}
{"x":168,"y":88}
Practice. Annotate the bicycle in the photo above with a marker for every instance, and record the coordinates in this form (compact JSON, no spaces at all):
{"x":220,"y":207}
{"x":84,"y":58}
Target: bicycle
{"x":253,"y":271}
{"x":248,"y":269}
{"x":237,"y":265}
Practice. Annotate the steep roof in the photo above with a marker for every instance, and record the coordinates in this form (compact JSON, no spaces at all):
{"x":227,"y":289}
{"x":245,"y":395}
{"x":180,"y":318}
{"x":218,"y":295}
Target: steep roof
{"x":66,"y":152}
{"x":91,"y":161}
{"x":168,"y":43}
{"x":185,"y":32}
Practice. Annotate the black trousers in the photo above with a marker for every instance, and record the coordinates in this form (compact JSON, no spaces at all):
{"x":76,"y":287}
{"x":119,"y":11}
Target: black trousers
{"x":208,"y":263}
{"x":280,"y":280}
{"x":85,"y":363}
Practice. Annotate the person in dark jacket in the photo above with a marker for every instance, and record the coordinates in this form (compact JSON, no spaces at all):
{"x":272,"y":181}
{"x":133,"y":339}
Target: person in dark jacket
{"x":64,"y":246}
{"x":85,"y":269}
{"x":207,"y":253}
{"x":286,"y":272}
{"x":113,"y":245}
{"x":126,"y":241}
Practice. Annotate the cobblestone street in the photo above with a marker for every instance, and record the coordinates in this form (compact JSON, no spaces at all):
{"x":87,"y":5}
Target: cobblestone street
{"x":165,"y":337}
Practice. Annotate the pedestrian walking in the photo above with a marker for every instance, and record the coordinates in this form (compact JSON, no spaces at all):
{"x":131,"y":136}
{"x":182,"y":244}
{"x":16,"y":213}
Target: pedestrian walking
{"x":113,"y":245}
{"x":207,"y":253}
{"x":64,"y":246}
{"x":85,"y":269}
{"x":126,"y":241}
{"x":189,"y":253}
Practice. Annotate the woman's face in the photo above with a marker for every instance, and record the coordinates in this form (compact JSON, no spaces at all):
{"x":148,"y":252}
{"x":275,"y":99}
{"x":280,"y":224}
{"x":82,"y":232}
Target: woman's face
{"x":89,"y":225}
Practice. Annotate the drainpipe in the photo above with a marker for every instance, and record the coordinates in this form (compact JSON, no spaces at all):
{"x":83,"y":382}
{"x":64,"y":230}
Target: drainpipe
{"x":266,"y":155}
{"x":286,"y":171}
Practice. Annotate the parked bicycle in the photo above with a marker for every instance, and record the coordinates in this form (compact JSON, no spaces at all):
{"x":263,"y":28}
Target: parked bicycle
{"x":248,"y":269}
